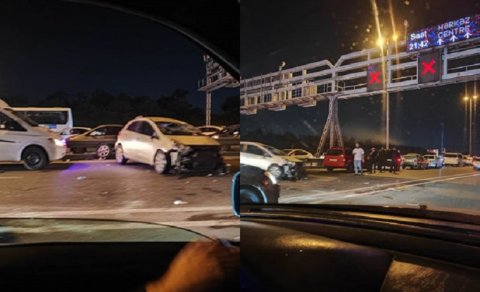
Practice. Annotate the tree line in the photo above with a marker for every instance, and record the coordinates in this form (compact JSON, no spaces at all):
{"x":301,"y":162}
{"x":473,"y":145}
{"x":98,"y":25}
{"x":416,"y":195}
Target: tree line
{"x":102,"y":107}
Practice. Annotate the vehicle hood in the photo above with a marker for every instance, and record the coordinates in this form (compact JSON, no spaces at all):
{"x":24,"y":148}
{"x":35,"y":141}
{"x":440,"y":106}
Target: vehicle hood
{"x":21,"y":231}
{"x":199,"y":140}
{"x":44,"y":131}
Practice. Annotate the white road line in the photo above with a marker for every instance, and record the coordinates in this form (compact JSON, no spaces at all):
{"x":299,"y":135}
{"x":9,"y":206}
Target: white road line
{"x":74,"y":213}
{"x":10,"y":177}
{"x":308,"y":198}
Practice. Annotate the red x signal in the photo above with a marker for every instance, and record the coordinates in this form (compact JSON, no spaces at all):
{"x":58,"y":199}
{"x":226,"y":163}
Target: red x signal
{"x":428,"y":67}
{"x":374,"y":77}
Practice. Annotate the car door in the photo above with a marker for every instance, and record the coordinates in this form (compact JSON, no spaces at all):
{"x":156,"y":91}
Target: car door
{"x":146,"y":143}
{"x":254,"y":156}
{"x":128,"y":140}
{"x":11,"y":138}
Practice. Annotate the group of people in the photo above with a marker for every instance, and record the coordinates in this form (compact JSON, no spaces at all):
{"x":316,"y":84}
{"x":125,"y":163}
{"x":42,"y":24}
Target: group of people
{"x":375,"y":160}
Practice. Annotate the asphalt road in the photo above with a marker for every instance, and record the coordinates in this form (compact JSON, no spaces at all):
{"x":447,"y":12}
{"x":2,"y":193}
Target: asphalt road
{"x":102,"y":189}
{"x":450,"y":188}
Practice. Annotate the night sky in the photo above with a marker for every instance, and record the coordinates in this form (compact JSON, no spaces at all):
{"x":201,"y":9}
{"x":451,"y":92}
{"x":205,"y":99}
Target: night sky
{"x":49,"y":46}
{"x":301,"y":32}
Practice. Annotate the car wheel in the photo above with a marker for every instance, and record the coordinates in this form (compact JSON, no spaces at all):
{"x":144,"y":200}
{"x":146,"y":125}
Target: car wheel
{"x":403,"y":167}
{"x":249,"y":195}
{"x":161,"y":162}
{"x":119,"y":157}
{"x":330,"y":169}
{"x":275,"y":170}
{"x":34,"y":158}
{"x":103,"y":151}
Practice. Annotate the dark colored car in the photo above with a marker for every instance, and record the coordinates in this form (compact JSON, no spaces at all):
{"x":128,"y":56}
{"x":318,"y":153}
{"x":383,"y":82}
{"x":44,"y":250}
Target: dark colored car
{"x":258,"y":186}
{"x":389,"y":159}
{"x":99,"y":141}
{"x":338,"y":157}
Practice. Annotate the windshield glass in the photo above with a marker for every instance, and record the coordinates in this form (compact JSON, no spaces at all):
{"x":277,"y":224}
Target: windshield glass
{"x":379,"y":74}
{"x":171,"y":128}
{"x":46,"y":117}
{"x":79,"y":65}
{"x":275,"y":151}
{"x":23,"y":117}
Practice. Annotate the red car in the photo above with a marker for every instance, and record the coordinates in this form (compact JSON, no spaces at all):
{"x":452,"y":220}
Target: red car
{"x":338,"y":157}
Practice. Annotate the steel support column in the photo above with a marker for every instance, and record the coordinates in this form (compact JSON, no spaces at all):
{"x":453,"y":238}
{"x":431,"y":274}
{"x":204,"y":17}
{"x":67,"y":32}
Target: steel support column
{"x":208,"y":111}
{"x":332,"y":127}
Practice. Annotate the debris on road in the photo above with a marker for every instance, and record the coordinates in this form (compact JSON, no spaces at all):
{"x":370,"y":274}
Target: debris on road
{"x":179,"y":202}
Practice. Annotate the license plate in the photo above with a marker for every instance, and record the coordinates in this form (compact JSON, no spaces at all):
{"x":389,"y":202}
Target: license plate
{"x":314,"y":164}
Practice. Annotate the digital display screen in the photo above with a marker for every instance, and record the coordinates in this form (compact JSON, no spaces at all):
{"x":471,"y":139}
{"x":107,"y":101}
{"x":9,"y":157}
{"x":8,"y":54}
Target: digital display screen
{"x":449,"y":32}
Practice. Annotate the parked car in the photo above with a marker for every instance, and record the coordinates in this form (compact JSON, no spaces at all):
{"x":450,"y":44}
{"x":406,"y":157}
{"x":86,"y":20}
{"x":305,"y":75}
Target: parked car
{"x":72,"y":132}
{"x":210,"y":130}
{"x":433,"y":161}
{"x":414,"y":161}
{"x":299,"y":153}
{"x":168,"y":145}
{"x":338,"y":157}
{"x":99,"y":141}
{"x":467,"y":160}
{"x":258,"y":186}
{"x":228,"y":132}
{"x":270,"y":159}
{"x":476,"y":163}
{"x":454,"y":159}
{"x":22,"y":139}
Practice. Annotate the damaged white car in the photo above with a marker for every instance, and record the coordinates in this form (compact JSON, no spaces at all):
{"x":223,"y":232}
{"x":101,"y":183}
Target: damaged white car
{"x":168,"y":145}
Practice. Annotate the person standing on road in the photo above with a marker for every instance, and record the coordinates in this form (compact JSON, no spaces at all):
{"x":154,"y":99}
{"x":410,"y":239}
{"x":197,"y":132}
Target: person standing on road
{"x":358,"y":158}
{"x":373,"y":159}
{"x":381,"y":159}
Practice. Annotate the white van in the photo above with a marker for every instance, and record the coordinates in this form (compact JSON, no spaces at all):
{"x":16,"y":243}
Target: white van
{"x":21,"y":139}
{"x":57,"y":119}
{"x":454,"y":159}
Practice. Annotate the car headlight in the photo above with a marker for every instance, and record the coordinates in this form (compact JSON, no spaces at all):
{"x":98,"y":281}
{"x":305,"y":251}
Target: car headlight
{"x":58,"y":142}
{"x":215,"y":136}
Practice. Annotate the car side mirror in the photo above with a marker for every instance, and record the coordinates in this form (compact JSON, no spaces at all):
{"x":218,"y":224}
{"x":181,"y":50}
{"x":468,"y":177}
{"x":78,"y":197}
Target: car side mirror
{"x":155,"y":136}
{"x":236,"y":194}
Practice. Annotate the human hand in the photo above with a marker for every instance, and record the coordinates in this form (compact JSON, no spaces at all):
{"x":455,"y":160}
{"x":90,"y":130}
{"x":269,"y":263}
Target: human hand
{"x":199,"y":266}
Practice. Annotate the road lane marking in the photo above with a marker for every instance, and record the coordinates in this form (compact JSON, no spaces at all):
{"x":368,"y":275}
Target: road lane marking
{"x":11,"y":177}
{"x":53,"y":214}
{"x":374,"y":188}
{"x":404,"y":186}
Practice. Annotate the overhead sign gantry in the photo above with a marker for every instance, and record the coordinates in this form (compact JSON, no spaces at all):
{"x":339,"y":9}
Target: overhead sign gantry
{"x":360,"y":74}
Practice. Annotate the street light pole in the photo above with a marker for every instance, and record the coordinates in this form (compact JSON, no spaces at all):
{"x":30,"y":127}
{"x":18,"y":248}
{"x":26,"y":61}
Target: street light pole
{"x":470,"y":129}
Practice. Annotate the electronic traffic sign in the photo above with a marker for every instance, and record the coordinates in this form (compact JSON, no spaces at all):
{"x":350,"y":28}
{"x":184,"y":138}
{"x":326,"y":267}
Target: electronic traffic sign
{"x":429,"y":66}
{"x":449,"y":32}
{"x":374,"y":77}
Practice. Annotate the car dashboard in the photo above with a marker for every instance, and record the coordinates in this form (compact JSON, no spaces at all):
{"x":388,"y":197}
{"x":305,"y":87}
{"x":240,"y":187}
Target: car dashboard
{"x":293,"y":255}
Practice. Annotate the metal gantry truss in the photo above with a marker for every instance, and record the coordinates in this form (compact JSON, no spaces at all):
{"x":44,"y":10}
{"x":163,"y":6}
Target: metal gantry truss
{"x":347,"y":78}
{"x":216,"y":77}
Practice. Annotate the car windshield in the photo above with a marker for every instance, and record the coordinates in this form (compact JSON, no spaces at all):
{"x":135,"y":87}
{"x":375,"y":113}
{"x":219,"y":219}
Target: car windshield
{"x":334,"y":152}
{"x":182,"y":129}
{"x":72,"y":65}
{"x":397,"y":76}
{"x":275,"y":151}
{"x":23,"y":117}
